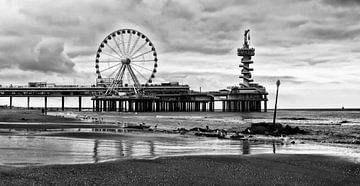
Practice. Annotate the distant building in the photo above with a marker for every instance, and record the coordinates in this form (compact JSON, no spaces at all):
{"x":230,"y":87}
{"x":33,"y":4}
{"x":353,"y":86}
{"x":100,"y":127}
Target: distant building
{"x":37,"y":84}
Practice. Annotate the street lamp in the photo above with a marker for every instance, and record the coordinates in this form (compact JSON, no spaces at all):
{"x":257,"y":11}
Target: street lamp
{"x":276,"y":98}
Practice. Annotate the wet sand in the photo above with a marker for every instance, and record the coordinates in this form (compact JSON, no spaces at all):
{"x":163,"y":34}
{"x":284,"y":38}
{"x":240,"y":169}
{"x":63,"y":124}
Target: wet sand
{"x":30,"y":116}
{"x":194,"y":170}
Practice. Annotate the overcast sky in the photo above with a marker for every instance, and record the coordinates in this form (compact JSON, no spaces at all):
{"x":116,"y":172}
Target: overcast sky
{"x":312,"y":46}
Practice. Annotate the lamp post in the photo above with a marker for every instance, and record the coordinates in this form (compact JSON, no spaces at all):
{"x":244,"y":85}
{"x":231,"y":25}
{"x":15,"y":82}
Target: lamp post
{"x":277,"y":93}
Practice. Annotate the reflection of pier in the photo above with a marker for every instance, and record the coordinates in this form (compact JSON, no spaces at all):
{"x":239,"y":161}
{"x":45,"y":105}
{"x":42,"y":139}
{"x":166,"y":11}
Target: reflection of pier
{"x":245,"y":147}
{"x":124,"y":149}
{"x":130,"y":148}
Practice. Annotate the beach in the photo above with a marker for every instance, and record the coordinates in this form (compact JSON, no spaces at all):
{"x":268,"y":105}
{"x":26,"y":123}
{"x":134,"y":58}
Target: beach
{"x":194,"y":170}
{"x":30,"y":116}
{"x":71,"y":152}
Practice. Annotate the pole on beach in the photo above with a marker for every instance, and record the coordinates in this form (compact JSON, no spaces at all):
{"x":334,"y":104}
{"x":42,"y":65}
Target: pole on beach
{"x":276,"y":98}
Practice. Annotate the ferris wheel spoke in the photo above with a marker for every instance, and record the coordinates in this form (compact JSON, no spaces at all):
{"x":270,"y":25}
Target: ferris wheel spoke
{"x":113,"y":50}
{"x":141,"y":54}
{"x":122,"y":41}
{"x":110,"y":67}
{"x":145,"y":60}
{"x":117,"y":45}
{"x":110,"y":55}
{"x":143,"y":67}
{"x":146,"y":79}
{"x":110,"y":61}
{"x":135,"y":43}
{"x":115,"y":71}
{"x":128,"y":45}
{"x":137,"y":50}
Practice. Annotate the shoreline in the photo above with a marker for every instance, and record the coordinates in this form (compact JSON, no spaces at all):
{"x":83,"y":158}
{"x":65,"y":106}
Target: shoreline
{"x":282,"y":168}
{"x":262,"y":169}
{"x":132,"y":145}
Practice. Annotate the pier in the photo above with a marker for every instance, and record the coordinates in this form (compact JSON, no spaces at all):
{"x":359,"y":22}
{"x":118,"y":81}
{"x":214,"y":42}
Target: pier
{"x":113,"y":92}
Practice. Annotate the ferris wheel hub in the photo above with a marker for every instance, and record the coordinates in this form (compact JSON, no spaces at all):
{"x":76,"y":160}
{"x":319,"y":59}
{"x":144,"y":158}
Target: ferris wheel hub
{"x":125,"y":61}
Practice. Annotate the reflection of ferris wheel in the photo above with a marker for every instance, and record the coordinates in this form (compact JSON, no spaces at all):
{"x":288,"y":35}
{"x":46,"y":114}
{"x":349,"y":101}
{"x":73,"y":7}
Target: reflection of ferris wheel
{"x":124,"y":58}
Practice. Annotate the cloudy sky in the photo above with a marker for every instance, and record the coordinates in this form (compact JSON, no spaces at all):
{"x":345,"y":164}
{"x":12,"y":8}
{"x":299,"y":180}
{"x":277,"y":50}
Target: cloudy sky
{"x":312,"y":46}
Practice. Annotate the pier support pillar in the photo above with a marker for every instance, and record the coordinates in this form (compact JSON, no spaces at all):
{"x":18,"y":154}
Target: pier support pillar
{"x":28,"y":102}
{"x":62,"y":103}
{"x":104,"y":108}
{"x":265,"y":106}
{"x":45,"y":104}
{"x":11,"y":102}
{"x":79,"y":103}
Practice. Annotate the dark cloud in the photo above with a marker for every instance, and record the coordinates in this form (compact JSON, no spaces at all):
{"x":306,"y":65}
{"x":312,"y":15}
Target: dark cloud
{"x":355,"y":50}
{"x":175,"y":9}
{"x":217,"y":80}
{"x":316,"y":61}
{"x":216,"y":5}
{"x":333,"y":32}
{"x":59,"y":19}
{"x":50,"y":58}
{"x":296,"y":23}
{"x":206,"y":80}
{"x":283,"y":79}
{"x":84,"y":52}
{"x":11,"y":33}
{"x":343,"y":3}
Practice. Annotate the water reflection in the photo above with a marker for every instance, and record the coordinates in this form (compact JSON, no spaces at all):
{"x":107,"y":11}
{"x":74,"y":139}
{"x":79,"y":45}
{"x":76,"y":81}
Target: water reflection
{"x":246,"y":147}
{"x":273,"y":145}
{"x":25,"y":150}
{"x":95,"y":156}
{"x":152,"y":148}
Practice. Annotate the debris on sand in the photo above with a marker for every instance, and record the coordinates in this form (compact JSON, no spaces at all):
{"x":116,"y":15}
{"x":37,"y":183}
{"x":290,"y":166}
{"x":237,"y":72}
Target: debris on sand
{"x":276,"y":129}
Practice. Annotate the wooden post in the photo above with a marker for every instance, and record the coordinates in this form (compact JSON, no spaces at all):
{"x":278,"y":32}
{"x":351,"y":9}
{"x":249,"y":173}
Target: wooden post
{"x":10,"y":102}
{"x":45,"y":106}
{"x":28,"y":102}
{"x":265,"y":104}
{"x":276,"y":98}
{"x":62,"y":103}
{"x":79,"y":103}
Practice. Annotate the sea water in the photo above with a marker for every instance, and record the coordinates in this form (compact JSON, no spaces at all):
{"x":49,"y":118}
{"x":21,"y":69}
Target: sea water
{"x":45,"y":150}
{"x":331,"y":125}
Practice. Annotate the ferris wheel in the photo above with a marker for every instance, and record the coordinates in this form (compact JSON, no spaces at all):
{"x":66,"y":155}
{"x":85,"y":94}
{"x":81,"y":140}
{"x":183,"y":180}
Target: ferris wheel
{"x":126,"y":58}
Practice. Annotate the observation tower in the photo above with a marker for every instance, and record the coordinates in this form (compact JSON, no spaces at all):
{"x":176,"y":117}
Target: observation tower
{"x":249,"y":96}
{"x":246,"y":52}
